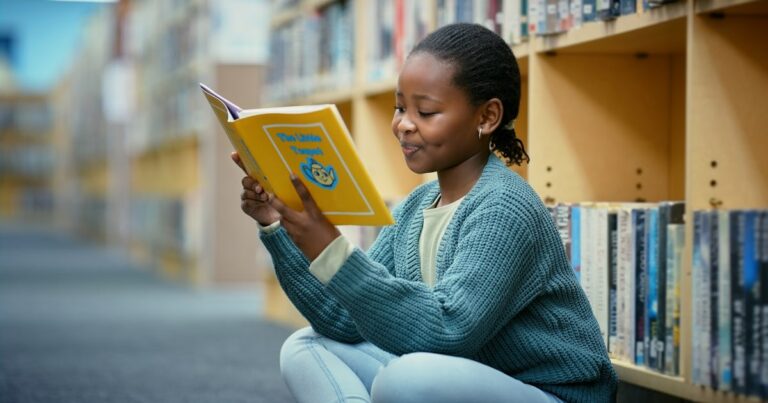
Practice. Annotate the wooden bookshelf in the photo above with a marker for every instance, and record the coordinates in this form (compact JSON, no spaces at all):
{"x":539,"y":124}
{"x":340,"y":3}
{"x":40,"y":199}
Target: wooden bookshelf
{"x":665,"y":104}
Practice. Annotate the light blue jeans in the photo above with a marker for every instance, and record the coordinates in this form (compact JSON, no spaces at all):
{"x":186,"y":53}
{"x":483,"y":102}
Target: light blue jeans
{"x":320,"y":370}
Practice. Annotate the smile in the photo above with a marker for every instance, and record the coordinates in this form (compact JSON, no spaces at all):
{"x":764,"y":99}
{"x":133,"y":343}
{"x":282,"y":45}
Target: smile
{"x":409,"y":149}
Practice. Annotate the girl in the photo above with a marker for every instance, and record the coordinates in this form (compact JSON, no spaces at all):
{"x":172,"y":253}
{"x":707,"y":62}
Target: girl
{"x":469,"y":297}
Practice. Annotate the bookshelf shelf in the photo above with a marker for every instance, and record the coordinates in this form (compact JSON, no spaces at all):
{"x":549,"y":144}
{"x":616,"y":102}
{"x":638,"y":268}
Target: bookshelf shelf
{"x":282,"y":17}
{"x":649,"y":379}
{"x":386,"y":86}
{"x":733,"y":7}
{"x":521,"y":51}
{"x":343,"y":95}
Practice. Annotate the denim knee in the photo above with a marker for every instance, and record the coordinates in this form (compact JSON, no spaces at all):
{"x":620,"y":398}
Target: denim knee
{"x":402,"y":380}
{"x":293,"y":344}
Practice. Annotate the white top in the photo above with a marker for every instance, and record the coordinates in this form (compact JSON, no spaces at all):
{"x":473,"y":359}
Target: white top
{"x":436,"y":220}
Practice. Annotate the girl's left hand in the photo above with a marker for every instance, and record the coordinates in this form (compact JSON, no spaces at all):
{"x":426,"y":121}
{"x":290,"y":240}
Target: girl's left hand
{"x":310,"y":230}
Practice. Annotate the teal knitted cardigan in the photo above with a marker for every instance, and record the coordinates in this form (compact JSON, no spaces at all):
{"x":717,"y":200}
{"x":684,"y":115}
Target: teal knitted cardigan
{"x":505,"y":294}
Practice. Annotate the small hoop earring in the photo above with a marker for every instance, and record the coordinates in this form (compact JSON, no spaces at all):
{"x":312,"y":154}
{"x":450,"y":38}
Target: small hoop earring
{"x":480,"y":133}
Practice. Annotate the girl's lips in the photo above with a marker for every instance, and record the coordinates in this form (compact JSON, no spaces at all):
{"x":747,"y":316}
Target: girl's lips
{"x":409,"y":149}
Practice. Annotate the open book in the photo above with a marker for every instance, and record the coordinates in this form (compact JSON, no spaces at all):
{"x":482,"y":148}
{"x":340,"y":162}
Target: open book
{"x":312,"y":142}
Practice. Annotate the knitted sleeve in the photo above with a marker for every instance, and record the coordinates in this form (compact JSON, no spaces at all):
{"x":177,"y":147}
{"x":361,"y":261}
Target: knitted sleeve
{"x":306,"y":292}
{"x":321,"y":308}
{"x":493,"y":276}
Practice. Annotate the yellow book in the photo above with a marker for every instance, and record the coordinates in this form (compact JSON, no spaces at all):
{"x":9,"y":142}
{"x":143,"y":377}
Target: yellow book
{"x":313,"y":143}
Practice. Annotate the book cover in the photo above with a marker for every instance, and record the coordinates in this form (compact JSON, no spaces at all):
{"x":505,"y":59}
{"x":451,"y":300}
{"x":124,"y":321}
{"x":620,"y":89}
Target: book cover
{"x":313,"y":143}
{"x":576,"y":241}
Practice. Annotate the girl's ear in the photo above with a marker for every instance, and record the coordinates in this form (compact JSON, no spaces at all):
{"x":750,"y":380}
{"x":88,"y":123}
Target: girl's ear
{"x":491,"y":113}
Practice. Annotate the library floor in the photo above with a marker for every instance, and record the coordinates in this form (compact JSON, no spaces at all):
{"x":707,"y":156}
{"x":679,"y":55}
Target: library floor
{"x":81,"y":324}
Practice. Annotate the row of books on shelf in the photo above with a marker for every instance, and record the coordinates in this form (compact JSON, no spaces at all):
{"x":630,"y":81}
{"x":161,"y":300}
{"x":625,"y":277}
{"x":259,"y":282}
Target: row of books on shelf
{"x":33,"y":161}
{"x":312,"y":54}
{"x":627,"y":257}
{"x":160,"y":40}
{"x":33,"y":202}
{"x":730,"y":300}
{"x":315,"y":53}
{"x":31,"y":119}
{"x":177,"y":113}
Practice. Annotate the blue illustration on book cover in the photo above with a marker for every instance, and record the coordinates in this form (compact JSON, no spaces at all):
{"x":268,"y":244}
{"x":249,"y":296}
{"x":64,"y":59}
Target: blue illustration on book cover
{"x":323,"y":176}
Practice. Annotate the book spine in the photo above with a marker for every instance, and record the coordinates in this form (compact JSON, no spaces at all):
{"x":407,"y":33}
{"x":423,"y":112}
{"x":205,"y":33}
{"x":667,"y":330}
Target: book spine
{"x":652,"y":299}
{"x":628,"y":7}
{"x":664,"y":219}
{"x":464,"y":11}
{"x":706,"y":305}
{"x":589,"y":10}
{"x":638,"y":220}
{"x":552,"y":20}
{"x":533,"y":16}
{"x":577,"y":9}
{"x":587,"y":267}
{"x":738,"y":335}
{"x":601,"y":275}
{"x":752,"y":294}
{"x":563,"y":222}
{"x":696,"y":292}
{"x":676,"y":242}
{"x":714,"y":335}
{"x":564,"y":19}
{"x":624,"y":284}
{"x":576,"y":241}
{"x":724,"y":299}
{"x":509,"y":30}
{"x":613,"y":346}
{"x":524,"y":19}
{"x":764,"y":304}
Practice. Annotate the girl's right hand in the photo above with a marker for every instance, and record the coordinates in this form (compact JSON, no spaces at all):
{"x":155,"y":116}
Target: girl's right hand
{"x":255,"y":200}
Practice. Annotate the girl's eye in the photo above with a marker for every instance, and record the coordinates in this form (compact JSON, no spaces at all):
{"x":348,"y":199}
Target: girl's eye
{"x":426,"y":114}
{"x":399,"y":109}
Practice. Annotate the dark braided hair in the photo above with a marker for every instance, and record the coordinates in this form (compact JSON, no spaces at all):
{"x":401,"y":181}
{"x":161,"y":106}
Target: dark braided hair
{"x":485,"y":69}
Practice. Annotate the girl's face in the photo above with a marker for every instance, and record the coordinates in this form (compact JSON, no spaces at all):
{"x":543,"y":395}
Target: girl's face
{"x":434,"y":120}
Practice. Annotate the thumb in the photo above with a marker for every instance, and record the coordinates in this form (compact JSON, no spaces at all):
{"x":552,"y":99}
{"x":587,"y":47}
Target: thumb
{"x":307,"y":200}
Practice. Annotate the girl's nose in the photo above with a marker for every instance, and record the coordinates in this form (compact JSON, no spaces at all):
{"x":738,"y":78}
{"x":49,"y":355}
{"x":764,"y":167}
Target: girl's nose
{"x":405,"y":125}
